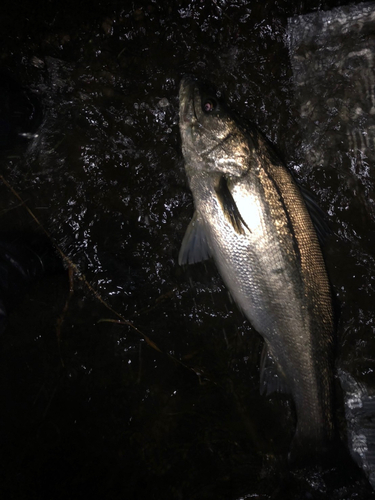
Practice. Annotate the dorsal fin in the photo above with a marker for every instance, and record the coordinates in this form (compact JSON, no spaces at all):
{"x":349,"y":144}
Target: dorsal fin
{"x":317,"y":216}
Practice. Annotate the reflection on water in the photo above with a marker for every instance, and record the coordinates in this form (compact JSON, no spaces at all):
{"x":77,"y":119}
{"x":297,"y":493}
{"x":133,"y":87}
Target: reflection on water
{"x":90,"y":405}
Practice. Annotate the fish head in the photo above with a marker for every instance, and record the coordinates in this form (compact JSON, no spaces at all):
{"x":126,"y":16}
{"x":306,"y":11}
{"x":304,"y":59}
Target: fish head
{"x":213,"y":141}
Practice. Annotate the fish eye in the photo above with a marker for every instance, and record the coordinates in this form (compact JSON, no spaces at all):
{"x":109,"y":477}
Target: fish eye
{"x":209,"y":105}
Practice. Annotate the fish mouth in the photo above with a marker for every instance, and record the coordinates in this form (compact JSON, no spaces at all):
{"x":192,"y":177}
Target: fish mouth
{"x":188,"y":88}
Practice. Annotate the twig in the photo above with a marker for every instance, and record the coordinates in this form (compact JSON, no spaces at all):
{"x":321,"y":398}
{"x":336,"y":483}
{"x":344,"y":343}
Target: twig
{"x":73,"y":269}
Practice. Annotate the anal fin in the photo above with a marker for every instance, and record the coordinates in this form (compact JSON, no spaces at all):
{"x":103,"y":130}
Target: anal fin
{"x":272,"y":378}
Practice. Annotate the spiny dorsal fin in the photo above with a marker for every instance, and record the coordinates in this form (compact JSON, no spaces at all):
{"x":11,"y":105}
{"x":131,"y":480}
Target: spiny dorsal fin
{"x":317,"y":216}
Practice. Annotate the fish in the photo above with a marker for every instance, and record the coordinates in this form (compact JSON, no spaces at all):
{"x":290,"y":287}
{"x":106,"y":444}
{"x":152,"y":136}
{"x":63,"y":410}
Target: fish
{"x":252,"y":218}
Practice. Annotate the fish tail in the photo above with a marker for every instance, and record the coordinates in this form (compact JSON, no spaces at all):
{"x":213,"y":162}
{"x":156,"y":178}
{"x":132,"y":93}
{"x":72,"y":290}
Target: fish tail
{"x":310,"y":444}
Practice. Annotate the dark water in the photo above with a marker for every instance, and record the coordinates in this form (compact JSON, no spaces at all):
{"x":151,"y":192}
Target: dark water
{"x":171,"y":410}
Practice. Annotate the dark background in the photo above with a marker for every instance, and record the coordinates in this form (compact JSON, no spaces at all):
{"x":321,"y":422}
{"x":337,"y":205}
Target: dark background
{"x":172,"y":409}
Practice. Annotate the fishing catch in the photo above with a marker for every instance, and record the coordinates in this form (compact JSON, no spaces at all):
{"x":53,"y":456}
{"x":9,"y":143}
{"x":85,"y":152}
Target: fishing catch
{"x":252,"y":218}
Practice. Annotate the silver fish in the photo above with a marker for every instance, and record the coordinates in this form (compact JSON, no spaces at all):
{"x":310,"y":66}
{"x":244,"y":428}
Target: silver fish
{"x":251,"y":217}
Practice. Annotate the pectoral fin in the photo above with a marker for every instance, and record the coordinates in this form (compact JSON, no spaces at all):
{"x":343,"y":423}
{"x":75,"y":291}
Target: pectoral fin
{"x":194,"y":247}
{"x":272,"y":378}
{"x":229,"y":207}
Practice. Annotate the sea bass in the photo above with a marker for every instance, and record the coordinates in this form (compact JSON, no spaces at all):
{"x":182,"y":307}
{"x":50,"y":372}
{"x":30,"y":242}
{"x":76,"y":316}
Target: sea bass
{"x":252,"y":218}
